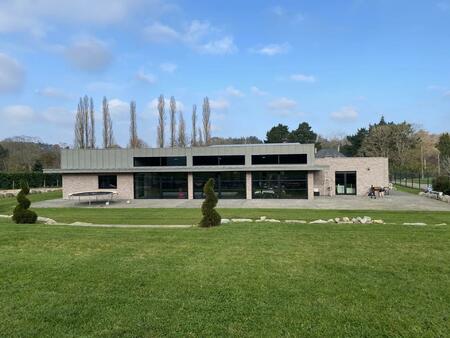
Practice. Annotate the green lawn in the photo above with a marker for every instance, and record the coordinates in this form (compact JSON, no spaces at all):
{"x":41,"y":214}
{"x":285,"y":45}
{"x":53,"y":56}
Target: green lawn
{"x":410,"y":190}
{"x":192,"y":216}
{"x":260,"y":280}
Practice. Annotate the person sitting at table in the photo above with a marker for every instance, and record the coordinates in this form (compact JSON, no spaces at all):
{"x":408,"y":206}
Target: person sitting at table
{"x":372,"y":192}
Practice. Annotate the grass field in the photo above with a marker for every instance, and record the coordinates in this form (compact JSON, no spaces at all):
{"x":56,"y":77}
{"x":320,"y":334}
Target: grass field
{"x":234,"y":280}
{"x":410,"y":190}
{"x":255,"y":280}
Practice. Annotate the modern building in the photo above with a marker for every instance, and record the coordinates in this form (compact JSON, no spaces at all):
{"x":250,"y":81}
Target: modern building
{"x":288,"y":170}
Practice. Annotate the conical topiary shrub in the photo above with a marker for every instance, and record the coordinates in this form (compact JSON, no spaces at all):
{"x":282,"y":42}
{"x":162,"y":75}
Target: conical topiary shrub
{"x":211,"y":217}
{"x":21,"y":214}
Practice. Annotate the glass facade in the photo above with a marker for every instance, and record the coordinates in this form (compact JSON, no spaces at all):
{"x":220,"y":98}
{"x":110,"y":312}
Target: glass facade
{"x":163,"y":161}
{"x":160,"y":185}
{"x":107,"y":181}
{"x":345,"y":183}
{"x":280,"y":184}
{"x":230,"y":184}
{"x":280,"y":159}
{"x":218,"y":160}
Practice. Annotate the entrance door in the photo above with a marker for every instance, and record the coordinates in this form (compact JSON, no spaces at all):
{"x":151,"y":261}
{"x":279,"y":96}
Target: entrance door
{"x":345,"y":182}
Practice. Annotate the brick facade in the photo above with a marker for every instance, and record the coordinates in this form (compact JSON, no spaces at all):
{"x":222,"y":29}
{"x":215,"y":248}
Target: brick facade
{"x":88,"y":182}
{"x":369,"y":171}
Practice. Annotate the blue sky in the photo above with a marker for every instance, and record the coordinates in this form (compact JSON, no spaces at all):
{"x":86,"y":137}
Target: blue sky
{"x":338,"y":65}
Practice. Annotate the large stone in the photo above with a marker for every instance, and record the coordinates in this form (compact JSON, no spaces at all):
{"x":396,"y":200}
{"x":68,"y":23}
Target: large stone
{"x":378,"y":221}
{"x":5,"y":216}
{"x":224,"y":221}
{"x":346,"y":219}
{"x":318,"y":221}
{"x":46,"y":220}
{"x":271,"y":220}
{"x":241,"y":220}
{"x":81,"y":223}
{"x":263,"y":218}
{"x":295,"y":221}
{"x":417,"y":223}
{"x":337,"y":220}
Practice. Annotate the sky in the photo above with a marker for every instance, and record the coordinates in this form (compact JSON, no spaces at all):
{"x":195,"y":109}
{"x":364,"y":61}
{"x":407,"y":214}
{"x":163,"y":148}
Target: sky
{"x":339,"y":65}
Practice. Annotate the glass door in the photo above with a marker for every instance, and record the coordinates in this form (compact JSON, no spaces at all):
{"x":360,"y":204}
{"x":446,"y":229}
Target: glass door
{"x":345,"y":182}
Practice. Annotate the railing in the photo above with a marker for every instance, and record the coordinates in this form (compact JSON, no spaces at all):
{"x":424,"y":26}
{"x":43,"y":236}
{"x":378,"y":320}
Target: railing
{"x":413,"y":180}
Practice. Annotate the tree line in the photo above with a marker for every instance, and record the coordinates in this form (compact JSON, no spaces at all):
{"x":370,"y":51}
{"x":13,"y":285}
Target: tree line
{"x":407,"y":148}
{"x":84,"y":128}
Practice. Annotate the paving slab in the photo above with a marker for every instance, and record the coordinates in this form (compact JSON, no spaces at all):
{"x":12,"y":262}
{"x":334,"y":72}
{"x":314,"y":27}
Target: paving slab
{"x":396,"y":201}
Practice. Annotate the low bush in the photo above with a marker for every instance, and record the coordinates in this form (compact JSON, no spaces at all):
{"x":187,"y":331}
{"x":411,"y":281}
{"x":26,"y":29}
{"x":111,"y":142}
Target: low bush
{"x":210,"y":216}
{"x":21,"y":213}
{"x":442,"y":183}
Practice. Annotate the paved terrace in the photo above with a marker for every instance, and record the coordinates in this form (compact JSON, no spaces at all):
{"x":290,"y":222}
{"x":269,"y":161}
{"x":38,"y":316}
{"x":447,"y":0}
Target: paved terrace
{"x":396,"y":201}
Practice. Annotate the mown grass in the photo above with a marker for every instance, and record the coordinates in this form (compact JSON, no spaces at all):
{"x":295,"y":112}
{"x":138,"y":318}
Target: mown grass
{"x":256,"y":280}
{"x":165,"y":216}
{"x":410,"y":190}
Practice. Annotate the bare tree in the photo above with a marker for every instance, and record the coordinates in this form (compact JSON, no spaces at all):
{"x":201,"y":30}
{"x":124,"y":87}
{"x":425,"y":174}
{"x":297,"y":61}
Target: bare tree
{"x":87,"y":127}
{"x":181,"y":131}
{"x":173,"y":122}
{"x":161,"y":121}
{"x":134,"y":140}
{"x":194,"y":126}
{"x":206,"y":121}
{"x":108,"y":137}
{"x":200,"y":137}
{"x":79,"y":127}
{"x":92,"y":124}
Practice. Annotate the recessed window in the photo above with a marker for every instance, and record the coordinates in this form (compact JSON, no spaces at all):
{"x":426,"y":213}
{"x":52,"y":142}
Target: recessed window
{"x":218,"y":160}
{"x":163,"y":161}
{"x":280,"y":159}
{"x":107,"y":181}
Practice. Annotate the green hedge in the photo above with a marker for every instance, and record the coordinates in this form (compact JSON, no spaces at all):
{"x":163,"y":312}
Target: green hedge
{"x":34,"y":180}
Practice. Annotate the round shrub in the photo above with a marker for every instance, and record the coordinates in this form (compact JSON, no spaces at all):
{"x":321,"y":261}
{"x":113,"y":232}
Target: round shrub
{"x":210,"y":217}
{"x":21,"y":214}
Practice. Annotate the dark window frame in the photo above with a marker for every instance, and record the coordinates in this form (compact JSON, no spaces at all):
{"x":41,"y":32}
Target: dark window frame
{"x":159,"y":161}
{"x":279,"y":159}
{"x":217,"y":160}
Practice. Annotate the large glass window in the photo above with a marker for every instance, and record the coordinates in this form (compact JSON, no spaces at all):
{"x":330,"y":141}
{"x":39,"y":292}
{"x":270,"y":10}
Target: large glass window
{"x":280,"y":184}
{"x":230,"y":184}
{"x":345,"y":182}
{"x":218,"y":160}
{"x":160,"y":185}
{"x":163,"y":161}
{"x":107,"y":181}
{"x":280,"y":159}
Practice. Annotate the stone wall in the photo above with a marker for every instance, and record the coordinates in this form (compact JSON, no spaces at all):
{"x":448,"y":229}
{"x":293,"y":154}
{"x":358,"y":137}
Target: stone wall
{"x":369,"y":171}
{"x":88,"y":182}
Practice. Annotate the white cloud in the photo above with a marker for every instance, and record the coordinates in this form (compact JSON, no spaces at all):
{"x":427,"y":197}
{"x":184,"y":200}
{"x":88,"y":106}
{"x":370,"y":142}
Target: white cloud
{"x":157,"y":32}
{"x":147,"y":78}
{"x":88,"y":54}
{"x":345,"y":114}
{"x":230,"y":90}
{"x":52,"y":92}
{"x":219,"y":47}
{"x":12,"y":75}
{"x":168,"y":67}
{"x":284,"y":107}
{"x":219,"y":104}
{"x":119,"y":108}
{"x":303,"y":78}
{"x":273,"y":49}
{"x":255,"y":90}
{"x":198,"y":35}
{"x":36,"y":17}
{"x":17,"y":113}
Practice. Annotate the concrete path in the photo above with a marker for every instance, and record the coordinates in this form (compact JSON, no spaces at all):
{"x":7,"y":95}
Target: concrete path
{"x":396,"y":201}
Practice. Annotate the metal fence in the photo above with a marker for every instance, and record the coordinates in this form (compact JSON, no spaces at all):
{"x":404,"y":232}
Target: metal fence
{"x":413,"y":180}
